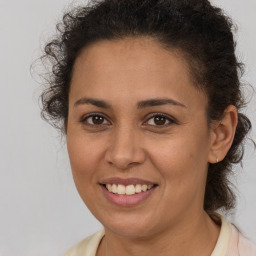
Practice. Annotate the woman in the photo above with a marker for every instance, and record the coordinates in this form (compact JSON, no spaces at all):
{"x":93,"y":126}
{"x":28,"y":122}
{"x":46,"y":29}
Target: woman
{"x":148,"y":95}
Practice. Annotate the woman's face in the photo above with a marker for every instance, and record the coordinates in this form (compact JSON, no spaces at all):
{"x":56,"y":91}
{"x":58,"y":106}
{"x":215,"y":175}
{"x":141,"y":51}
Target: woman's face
{"x":135,"y":118}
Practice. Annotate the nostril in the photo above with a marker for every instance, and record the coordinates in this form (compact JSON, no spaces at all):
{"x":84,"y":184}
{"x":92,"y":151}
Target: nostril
{"x":124,"y":156}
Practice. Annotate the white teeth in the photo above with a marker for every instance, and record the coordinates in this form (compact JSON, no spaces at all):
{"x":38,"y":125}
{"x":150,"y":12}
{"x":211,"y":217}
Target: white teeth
{"x":150,"y":186}
{"x":138,"y":188}
{"x":113,"y":189}
{"x":121,"y":189}
{"x":144,"y":188}
{"x":109,"y":187}
{"x":130,"y":190}
{"x":127,"y":190}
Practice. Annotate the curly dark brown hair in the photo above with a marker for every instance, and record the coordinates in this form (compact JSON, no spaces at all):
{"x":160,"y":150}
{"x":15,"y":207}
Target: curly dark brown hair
{"x":202,"y":32}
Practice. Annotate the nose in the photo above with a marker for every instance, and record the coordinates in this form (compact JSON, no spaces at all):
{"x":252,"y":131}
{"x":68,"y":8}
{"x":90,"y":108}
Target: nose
{"x":125,"y":149}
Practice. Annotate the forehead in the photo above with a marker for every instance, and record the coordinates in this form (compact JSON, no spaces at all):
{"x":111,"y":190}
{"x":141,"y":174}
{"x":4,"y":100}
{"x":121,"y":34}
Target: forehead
{"x":131,"y":66}
{"x":145,"y":52}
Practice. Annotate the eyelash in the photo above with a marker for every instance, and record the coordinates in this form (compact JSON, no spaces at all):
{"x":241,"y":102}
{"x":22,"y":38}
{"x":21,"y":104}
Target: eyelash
{"x":171,"y":121}
{"x":168,"y":118}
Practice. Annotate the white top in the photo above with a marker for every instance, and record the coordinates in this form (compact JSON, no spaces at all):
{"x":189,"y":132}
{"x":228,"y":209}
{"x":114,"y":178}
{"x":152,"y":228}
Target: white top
{"x":229,"y":243}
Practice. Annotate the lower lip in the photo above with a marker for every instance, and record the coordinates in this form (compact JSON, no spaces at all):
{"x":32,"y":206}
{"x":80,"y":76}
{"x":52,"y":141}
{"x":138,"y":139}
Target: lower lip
{"x":127,"y":200}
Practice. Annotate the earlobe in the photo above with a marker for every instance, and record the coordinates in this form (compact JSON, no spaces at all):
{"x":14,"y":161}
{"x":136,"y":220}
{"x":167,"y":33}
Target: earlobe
{"x":223,"y":133}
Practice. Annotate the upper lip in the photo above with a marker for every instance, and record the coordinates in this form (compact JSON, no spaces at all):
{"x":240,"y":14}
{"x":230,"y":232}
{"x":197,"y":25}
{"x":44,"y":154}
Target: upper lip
{"x":126,"y":181}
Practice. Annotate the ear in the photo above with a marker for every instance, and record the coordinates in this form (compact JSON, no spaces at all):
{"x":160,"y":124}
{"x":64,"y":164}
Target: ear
{"x":222,"y":134}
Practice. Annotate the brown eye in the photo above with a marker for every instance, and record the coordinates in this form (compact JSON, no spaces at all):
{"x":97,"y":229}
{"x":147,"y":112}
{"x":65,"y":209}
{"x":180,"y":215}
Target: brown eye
{"x":94,"y":119}
{"x":97,"y":120}
{"x":160,"y":120}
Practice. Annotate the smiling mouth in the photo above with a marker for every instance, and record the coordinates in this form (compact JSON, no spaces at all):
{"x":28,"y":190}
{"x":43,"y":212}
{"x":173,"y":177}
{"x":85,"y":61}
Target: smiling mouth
{"x":128,"y":190}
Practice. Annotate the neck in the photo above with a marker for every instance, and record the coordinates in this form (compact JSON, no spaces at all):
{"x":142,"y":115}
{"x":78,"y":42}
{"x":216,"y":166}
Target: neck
{"x":195,"y":238}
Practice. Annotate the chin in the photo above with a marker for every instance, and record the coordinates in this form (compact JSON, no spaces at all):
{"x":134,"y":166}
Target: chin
{"x":129,"y":226}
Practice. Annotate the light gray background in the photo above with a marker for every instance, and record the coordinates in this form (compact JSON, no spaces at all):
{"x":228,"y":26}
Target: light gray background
{"x":40,"y":211}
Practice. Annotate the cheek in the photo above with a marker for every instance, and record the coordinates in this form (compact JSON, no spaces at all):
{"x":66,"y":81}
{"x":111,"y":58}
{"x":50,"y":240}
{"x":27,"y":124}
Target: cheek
{"x":84,"y":155}
{"x":182,"y":159}
{"x":183,"y":176}
{"x":84,"y":160}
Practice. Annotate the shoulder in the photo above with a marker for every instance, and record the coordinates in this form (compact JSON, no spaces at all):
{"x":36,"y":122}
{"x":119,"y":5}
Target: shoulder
{"x":240,"y":245}
{"x":86,"y":247}
{"x":231,"y":242}
{"x":245,"y":246}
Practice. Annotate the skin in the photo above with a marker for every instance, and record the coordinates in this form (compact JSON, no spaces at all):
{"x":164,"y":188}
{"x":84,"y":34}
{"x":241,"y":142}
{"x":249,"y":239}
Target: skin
{"x":130,"y":143}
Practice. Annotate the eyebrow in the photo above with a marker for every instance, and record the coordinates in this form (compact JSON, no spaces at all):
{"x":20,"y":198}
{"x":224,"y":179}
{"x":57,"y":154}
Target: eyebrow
{"x":140,"y":104}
